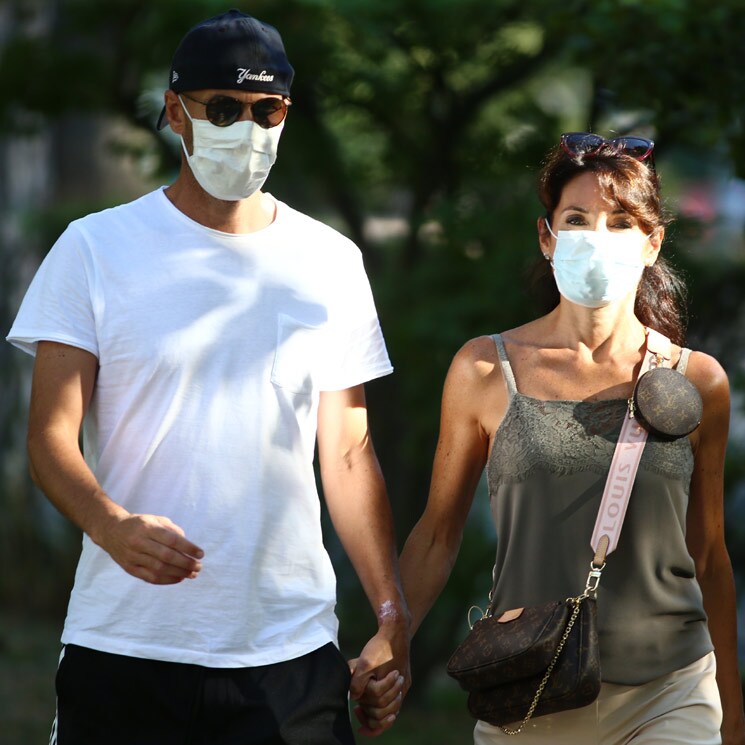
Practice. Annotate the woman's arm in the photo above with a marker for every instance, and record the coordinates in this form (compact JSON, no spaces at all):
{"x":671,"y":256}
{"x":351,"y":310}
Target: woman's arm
{"x":705,"y":538}
{"x":473,"y":386}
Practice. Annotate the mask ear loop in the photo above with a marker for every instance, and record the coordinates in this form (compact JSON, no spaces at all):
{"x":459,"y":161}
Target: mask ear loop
{"x":190,"y":118}
{"x":183,"y":106}
{"x":547,"y":256}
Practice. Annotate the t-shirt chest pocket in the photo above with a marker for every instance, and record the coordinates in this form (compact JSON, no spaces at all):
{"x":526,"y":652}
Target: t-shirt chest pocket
{"x":298,"y":355}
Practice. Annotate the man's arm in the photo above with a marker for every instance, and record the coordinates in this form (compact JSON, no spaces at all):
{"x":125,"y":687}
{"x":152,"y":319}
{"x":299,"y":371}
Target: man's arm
{"x":360,"y":511}
{"x":149,"y":547}
{"x":473,"y":386}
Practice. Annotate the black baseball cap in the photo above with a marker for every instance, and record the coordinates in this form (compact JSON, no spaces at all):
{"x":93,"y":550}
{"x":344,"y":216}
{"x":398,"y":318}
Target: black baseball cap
{"x":232,"y":51}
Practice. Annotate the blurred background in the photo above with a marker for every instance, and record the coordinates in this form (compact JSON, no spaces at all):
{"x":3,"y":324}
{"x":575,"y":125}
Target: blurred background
{"x":417,"y":129}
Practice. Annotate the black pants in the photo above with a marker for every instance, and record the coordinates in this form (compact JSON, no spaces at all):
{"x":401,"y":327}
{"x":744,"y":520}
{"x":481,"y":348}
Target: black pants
{"x":109,"y":699}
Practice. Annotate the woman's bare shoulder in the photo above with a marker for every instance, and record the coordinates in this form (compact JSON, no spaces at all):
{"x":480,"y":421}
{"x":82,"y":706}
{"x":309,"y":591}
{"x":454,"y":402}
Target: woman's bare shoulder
{"x":708,"y":375}
{"x":479,"y":359}
{"x":476,"y":360}
{"x":475,"y":388}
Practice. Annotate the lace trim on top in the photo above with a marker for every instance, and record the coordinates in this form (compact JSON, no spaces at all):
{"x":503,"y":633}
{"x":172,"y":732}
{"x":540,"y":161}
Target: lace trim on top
{"x":566,"y":437}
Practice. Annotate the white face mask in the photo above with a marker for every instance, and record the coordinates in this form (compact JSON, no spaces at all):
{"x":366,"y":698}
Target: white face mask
{"x":231,"y":163}
{"x":594,"y":268}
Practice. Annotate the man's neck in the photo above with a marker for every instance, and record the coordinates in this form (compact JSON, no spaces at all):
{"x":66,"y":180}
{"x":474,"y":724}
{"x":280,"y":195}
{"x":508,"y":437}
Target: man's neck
{"x":249,"y":215}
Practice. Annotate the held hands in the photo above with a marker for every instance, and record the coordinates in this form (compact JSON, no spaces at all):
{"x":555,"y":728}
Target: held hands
{"x":380,"y":679}
{"x":151,"y":548}
{"x":378,"y":706}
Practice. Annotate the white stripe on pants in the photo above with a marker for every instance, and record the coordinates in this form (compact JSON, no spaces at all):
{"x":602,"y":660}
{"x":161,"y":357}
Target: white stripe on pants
{"x":53,"y":734}
{"x":681,"y":708}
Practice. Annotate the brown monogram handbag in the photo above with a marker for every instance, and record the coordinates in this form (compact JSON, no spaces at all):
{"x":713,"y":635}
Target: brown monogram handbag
{"x":545,"y":659}
{"x":571,"y":680}
{"x":541,"y":660}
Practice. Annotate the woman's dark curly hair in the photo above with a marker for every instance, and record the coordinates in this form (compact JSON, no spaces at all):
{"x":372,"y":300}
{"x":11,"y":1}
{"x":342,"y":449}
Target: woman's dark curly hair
{"x":661,"y":297}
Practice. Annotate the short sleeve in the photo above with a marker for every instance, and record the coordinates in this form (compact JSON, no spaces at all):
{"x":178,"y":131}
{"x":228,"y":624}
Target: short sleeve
{"x":355,"y":350}
{"x":58,"y":304}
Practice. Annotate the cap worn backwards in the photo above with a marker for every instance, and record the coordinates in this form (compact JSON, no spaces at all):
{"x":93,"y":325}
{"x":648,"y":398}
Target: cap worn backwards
{"x":232,"y":51}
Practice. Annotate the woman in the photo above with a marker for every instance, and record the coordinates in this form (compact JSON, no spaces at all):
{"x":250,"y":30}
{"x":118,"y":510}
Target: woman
{"x":541,"y":407}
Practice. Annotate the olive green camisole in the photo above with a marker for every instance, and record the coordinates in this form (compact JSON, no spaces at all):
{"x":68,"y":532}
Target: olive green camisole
{"x":546,"y":473}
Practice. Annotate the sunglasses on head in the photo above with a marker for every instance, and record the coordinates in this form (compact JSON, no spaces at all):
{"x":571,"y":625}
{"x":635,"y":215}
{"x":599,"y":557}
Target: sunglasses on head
{"x":587,"y":144}
{"x":222,"y":111}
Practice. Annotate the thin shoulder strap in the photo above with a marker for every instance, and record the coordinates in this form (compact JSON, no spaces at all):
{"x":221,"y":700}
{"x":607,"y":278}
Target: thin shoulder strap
{"x":685,"y":353}
{"x":509,"y":376}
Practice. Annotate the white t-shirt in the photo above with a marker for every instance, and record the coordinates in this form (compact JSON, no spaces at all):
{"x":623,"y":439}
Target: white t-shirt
{"x":212,"y":349}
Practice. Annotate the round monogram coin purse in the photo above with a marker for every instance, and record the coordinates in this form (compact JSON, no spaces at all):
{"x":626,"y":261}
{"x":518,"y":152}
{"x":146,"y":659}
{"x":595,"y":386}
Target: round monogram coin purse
{"x":667,"y":403}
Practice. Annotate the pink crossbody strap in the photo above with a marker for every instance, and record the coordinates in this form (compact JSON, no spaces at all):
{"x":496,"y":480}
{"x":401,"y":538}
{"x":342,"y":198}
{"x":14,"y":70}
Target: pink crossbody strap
{"x":625,"y":461}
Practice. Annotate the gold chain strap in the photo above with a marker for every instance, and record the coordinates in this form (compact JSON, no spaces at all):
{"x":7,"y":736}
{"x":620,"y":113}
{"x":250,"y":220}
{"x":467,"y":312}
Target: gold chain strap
{"x":577,"y":602}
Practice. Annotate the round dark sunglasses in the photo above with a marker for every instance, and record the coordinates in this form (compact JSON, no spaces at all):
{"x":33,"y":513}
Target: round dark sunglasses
{"x":222,"y":111}
{"x":586,"y":143}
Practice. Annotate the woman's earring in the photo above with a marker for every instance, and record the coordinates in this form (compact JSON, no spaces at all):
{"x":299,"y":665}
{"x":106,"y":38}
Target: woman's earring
{"x":547,"y":257}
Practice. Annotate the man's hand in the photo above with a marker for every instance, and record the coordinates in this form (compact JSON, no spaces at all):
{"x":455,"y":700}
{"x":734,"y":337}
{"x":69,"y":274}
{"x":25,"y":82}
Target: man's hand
{"x":148,"y":547}
{"x":357,"y":502}
{"x":378,"y":706}
{"x":151,"y":548}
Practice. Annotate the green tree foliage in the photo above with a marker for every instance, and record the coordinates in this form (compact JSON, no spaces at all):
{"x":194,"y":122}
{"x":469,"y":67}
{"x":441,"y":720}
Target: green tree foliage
{"x":418,"y":127}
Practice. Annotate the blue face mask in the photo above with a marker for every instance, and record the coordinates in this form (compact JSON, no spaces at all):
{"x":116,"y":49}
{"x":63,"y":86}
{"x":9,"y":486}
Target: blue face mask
{"x":595,"y":268}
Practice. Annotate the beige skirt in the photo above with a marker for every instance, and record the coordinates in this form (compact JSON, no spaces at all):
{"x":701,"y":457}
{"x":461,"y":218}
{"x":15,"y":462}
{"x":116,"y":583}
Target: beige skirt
{"x":682,"y":708}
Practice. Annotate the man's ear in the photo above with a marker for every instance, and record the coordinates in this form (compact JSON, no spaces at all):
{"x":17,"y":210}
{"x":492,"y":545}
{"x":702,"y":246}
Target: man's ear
{"x":175,"y":112}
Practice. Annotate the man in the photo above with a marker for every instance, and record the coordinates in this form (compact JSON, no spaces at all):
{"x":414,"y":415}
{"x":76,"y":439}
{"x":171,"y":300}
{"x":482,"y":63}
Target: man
{"x":209,"y":335}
